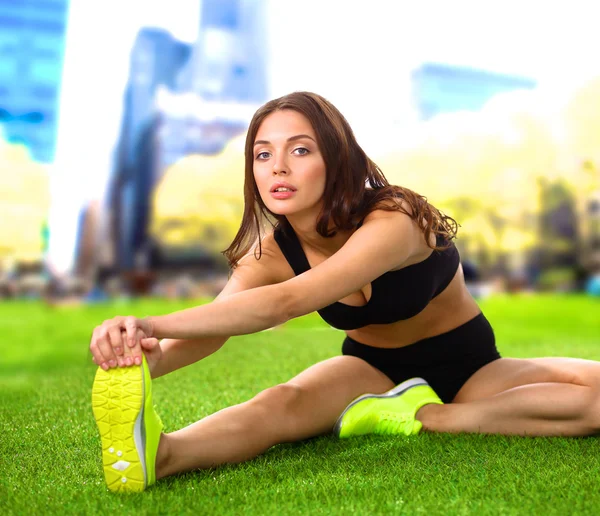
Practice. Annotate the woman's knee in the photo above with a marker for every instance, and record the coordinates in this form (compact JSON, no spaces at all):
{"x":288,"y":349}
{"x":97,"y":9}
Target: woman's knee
{"x":280,"y":402}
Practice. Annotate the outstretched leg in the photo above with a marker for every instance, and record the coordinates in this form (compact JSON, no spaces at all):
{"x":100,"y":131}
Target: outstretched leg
{"x":541,"y":396}
{"x":306,"y":406}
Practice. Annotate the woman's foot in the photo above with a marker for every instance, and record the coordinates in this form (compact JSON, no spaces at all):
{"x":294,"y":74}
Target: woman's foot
{"x":391,"y":413}
{"x":129,"y":427}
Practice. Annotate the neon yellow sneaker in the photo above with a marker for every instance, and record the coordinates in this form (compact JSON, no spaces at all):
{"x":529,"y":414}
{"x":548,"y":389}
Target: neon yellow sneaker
{"x":129,"y":427}
{"x":391,"y":413}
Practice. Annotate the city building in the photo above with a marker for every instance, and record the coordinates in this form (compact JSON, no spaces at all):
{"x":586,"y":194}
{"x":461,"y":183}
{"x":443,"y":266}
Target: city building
{"x":441,"y":88}
{"x":181,"y":100}
{"x":32,"y":39}
{"x":87,"y":245}
{"x":156,"y":57}
{"x":228,"y":60}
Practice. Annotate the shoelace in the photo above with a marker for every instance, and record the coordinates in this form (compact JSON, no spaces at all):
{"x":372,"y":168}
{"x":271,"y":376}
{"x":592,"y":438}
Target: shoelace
{"x":393,"y":423}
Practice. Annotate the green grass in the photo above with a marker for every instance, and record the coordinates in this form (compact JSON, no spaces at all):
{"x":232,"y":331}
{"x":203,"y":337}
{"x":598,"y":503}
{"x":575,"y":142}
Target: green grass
{"x":49,"y":445}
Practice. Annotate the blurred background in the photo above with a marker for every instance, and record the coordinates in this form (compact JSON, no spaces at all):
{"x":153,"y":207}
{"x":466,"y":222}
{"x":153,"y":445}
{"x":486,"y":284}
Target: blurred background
{"x":122,"y":125}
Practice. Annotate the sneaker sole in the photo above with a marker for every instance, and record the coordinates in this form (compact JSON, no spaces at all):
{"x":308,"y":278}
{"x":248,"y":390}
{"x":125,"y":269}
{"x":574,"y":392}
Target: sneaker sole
{"x":118,"y":407}
{"x":392,"y":393}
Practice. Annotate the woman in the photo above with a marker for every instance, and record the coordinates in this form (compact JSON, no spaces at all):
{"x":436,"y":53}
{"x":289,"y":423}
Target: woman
{"x":376,"y":261}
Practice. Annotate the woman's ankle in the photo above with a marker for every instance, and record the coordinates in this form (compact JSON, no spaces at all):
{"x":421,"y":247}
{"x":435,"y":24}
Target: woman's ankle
{"x":429,"y":416}
{"x":163,"y":456}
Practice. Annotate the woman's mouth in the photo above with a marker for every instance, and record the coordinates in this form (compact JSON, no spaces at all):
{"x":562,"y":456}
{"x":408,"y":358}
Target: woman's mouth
{"x":282,"y":193}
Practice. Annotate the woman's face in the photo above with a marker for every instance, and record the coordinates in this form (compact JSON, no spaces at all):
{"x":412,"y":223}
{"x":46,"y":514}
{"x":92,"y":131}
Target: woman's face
{"x":288,"y":166}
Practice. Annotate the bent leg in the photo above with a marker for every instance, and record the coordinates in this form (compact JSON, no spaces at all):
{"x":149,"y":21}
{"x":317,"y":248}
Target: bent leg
{"x":306,"y":406}
{"x":540,"y":396}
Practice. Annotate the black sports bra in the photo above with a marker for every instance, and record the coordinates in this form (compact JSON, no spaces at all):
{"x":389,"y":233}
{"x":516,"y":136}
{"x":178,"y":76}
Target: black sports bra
{"x":395,"y":295}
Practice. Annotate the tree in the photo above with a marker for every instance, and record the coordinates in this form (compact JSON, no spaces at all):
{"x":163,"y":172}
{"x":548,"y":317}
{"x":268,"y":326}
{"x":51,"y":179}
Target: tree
{"x":199,"y":202}
{"x":581,"y":161}
{"x":482,"y":169}
{"x":25,"y":202}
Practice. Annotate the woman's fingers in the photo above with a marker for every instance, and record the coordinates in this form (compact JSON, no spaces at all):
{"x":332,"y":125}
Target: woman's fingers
{"x":117,"y":342}
{"x":133,"y":356}
{"x":152,"y":351}
{"x":116,"y":339}
{"x":149,"y":343}
{"x":119,"y":348}
{"x":128,"y":352}
{"x":101,"y":347}
{"x":131,"y":327}
{"x":141,"y":337}
{"x":136,"y":351}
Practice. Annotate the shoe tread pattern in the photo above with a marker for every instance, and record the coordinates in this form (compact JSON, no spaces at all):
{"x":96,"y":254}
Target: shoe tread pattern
{"x":117,"y":400}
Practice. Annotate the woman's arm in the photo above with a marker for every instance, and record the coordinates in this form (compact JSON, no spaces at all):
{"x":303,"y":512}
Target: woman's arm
{"x":239,"y":314}
{"x":178,"y":353}
{"x":385,"y":241}
{"x":110,"y":339}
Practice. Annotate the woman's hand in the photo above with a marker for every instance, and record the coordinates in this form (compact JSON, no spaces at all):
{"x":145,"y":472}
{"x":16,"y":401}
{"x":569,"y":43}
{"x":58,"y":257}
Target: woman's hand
{"x":152,"y":351}
{"x":117,"y":341}
{"x":150,"y":347}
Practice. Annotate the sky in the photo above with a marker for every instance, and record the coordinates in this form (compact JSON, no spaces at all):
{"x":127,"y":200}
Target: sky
{"x":356,"y":53}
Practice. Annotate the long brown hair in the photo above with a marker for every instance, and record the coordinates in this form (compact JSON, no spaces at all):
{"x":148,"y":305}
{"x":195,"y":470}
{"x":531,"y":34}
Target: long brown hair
{"x":354,"y":185}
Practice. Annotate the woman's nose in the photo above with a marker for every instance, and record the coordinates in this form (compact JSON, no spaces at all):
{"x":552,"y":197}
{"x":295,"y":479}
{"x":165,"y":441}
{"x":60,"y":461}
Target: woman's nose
{"x":279,"y":167}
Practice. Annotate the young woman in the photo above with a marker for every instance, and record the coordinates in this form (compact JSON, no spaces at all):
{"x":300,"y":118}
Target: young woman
{"x":376,"y":261}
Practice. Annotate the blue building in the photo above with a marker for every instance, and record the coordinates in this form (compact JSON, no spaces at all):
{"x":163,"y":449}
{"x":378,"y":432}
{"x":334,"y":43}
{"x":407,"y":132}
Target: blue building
{"x":228,"y":62}
{"x":204,"y":83}
{"x":32,"y":40}
{"x":156,"y":58}
{"x":441,"y":88}
{"x":224,"y":79}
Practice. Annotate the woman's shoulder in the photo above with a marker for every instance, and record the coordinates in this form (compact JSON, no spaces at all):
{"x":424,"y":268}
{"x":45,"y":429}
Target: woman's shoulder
{"x":392,"y":207}
{"x":400,"y":210}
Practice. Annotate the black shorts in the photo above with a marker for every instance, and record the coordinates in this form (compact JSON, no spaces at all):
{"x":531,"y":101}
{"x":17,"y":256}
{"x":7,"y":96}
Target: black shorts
{"x":446,"y":361}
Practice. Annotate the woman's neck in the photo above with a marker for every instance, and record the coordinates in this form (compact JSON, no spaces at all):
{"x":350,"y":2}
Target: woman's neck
{"x":306,"y":231}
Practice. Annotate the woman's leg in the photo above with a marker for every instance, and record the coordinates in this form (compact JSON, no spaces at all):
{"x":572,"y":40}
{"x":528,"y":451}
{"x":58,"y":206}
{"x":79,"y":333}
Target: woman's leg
{"x":540,"y":396}
{"x":306,"y":406}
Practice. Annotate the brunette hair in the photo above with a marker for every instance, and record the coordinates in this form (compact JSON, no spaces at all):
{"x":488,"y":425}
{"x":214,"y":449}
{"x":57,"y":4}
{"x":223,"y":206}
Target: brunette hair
{"x":354,"y":185}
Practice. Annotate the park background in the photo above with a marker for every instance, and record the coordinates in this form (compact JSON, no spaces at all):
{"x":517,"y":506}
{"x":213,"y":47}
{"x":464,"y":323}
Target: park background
{"x":122,"y":125}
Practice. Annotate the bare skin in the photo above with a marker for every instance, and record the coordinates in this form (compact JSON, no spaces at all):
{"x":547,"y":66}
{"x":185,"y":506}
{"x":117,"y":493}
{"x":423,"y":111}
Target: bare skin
{"x":542,"y":396}
{"x":546,"y":396}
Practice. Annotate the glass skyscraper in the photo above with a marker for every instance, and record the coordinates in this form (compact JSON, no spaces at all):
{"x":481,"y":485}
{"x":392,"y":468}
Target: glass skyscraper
{"x":210,"y":85}
{"x":32,"y":40}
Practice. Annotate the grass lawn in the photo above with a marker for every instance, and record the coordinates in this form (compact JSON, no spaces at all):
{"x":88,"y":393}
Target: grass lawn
{"x":50,"y":447}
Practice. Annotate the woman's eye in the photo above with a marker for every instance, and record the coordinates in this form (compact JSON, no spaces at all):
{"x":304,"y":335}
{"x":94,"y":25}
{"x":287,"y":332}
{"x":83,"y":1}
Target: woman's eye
{"x":262,"y":155}
{"x":303,"y":150}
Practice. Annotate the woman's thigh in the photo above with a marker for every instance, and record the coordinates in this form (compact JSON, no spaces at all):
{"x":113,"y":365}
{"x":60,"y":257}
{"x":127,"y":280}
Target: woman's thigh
{"x":316,"y":397}
{"x":507,"y":373}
